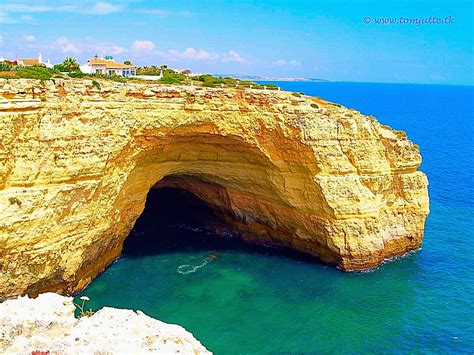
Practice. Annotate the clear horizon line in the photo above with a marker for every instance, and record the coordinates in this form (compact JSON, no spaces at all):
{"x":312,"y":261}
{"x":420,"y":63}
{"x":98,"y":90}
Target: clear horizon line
{"x":323,"y":81}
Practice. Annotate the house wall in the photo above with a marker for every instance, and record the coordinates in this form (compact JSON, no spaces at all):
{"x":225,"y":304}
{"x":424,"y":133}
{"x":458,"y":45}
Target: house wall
{"x":101,"y":69}
{"x":121,"y":72}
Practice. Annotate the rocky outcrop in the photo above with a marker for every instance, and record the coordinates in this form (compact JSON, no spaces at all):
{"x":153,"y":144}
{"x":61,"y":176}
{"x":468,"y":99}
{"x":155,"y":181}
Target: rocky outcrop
{"x":77,"y":161}
{"x":47,"y":324}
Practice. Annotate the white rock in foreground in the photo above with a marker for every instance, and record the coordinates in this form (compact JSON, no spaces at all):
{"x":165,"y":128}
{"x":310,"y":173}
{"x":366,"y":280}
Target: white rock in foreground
{"x":47,"y":323}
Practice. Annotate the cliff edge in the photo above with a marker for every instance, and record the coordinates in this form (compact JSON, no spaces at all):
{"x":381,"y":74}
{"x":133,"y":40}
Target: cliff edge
{"x":47,"y":323}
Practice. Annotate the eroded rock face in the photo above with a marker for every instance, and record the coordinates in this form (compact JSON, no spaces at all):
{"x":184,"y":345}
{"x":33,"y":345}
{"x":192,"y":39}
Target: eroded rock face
{"x":47,"y":323}
{"x":77,"y":161}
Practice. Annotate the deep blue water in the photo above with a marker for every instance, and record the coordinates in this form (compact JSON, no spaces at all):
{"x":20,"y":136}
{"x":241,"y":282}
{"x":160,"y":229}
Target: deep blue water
{"x":252,"y":301}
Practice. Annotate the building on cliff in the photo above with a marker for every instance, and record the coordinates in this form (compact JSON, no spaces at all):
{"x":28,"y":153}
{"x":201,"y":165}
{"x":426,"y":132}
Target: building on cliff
{"x":28,"y":62}
{"x":107,"y":65}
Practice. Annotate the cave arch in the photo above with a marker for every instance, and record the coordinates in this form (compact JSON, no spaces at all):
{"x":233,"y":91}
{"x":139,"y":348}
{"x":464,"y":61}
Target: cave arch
{"x":256,"y":192}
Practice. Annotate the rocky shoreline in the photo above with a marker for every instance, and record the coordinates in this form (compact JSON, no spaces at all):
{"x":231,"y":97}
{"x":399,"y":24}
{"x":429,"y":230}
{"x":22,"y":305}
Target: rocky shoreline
{"x":46,"y":325}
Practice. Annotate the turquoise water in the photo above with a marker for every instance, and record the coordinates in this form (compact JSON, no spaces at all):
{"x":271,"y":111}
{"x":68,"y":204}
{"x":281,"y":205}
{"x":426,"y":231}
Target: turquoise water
{"x":246,"y":300}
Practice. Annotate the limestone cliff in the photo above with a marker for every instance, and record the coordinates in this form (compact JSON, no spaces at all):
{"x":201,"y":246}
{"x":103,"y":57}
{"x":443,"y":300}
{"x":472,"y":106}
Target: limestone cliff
{"x":77,"y":161}
{"x":47,"y":324}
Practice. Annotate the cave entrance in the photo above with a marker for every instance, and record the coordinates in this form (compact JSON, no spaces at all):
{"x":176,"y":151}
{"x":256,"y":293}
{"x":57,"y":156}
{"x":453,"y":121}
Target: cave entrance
{"x":175,"y":219}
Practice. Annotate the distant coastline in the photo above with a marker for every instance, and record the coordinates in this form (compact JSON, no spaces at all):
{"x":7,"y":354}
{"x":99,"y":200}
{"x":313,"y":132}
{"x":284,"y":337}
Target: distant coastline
{"x":269,"y":78}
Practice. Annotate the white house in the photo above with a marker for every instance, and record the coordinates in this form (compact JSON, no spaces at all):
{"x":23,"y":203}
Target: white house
{"x":33,"y":61}
{"x":107,"y":66}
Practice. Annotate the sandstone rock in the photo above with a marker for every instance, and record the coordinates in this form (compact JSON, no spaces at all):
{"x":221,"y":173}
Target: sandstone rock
{"x":148,"y":93}
{"x":299,"y":173}
{"x":47,"y":323}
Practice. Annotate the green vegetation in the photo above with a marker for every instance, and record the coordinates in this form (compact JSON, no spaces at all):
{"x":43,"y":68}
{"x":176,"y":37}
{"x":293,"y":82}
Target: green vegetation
{"x":208,"y":80}
{"x":96,"y":84}
{"x":68,"y":65}
{"x":172,"y":77}
{"x":296,"y":94}
{"x":153,"y":70}
{"x":314,"y":106}
{"x":82,"y":311}
{"x":5,"y":66}
{"x":33,"y":72}
{"x":59,"y":68}
{"x":39,"y":71}
{"x":77,"y":74}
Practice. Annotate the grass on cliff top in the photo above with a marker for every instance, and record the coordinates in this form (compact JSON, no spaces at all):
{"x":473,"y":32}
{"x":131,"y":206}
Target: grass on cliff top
{"x":169,"y":77}
{"x":27,"y":73}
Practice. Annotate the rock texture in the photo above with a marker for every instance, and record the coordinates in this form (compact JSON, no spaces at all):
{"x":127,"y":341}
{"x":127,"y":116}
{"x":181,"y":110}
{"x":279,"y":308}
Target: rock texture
{"x":77,"y":161}
{"x":47,"y":323}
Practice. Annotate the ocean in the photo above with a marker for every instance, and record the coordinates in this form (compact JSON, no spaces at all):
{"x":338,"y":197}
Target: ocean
{"x":240,"y":299}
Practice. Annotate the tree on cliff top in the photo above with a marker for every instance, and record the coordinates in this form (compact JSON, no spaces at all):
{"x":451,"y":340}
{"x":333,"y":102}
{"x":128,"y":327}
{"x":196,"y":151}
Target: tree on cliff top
{"x":70,"y":64}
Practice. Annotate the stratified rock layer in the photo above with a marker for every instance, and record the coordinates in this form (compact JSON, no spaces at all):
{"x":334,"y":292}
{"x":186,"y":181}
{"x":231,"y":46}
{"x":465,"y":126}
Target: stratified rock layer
{"x":77,"y":161}
{"x":47,"y":324}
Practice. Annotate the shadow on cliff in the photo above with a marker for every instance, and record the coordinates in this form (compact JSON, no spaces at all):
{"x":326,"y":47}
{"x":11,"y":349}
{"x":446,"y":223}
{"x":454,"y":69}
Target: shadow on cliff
{"x":175,"y":220}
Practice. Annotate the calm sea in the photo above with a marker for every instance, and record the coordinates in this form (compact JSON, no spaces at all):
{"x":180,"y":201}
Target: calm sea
{"x":246,"y":300}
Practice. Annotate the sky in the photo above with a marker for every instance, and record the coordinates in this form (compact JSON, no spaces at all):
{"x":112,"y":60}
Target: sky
{"x":333,"y":40}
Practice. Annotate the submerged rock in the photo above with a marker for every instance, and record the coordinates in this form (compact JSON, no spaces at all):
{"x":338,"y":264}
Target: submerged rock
{"x":47,"y":323}
{"x":77,"y":162}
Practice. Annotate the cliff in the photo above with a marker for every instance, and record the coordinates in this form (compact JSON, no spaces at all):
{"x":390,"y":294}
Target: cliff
{"x":77,"y":161}
{"x":47,"y":323}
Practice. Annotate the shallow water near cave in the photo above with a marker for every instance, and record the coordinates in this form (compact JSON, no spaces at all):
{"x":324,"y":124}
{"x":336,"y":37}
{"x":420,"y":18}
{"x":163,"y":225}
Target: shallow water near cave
{"x":240,"y":299}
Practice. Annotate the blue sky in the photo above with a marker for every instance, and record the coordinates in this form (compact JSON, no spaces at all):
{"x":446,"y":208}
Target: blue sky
{"x":322,"y":39}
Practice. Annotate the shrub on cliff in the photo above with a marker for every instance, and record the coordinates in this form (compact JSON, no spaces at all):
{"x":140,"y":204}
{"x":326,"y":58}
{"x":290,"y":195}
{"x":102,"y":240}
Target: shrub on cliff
{"x":170,"y":80}
{"x":59,"y":68}
{"x":205,"y":77}
{"x":154,"y":70}
{"x":211,"y":81}
{"x":33,"y":73}
{"x":118,"y":78}
{"x":5,"y":66}
{"x":76,"y":74}
{"x":270,"y":86}
{"x":171,"y":77}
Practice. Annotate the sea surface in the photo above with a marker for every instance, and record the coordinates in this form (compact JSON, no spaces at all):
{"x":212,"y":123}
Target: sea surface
{"x":239,"y":299}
